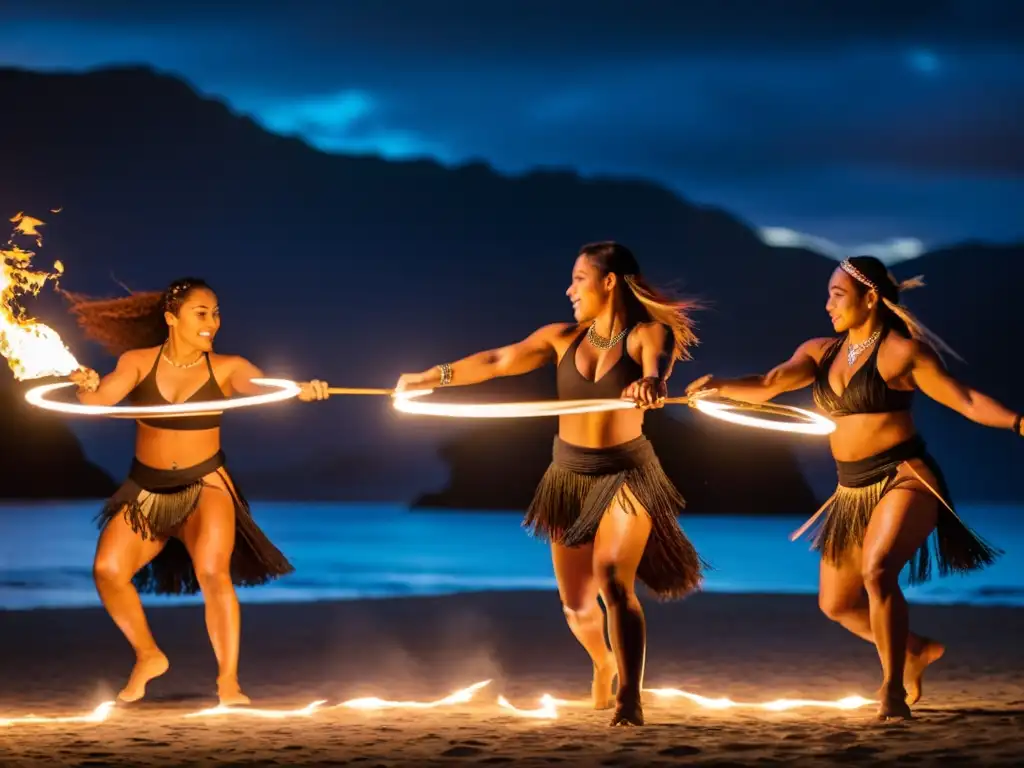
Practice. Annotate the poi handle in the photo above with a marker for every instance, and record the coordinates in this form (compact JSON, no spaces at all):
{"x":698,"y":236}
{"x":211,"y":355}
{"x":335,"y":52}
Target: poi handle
{"x":358,"y":391}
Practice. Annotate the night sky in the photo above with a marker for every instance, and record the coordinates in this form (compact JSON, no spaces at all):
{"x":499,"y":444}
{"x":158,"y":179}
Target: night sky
{"x":894,"y":123}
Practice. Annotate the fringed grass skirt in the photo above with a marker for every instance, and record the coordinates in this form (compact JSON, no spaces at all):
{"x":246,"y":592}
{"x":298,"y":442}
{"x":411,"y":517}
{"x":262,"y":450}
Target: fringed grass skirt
{"x":582,"y":483}
{"x":845,"y":516}
{"x":156,"y":502}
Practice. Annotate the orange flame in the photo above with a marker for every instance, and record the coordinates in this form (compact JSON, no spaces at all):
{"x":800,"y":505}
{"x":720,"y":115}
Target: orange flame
{"x":32,"y":349}
{"x":778,"y":705}
{"x":459,"y":697}
{"x":98,"y":715}
{"x":548,"y":709}
{"x":267,"y":714}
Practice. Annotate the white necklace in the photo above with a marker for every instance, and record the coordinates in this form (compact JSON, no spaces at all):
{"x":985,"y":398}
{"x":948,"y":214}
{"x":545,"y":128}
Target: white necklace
{"x":180,"y":365}
{"x":853,"y":351}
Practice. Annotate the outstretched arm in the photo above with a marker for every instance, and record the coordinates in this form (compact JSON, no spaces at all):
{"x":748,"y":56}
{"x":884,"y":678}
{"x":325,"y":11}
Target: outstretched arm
{"x":795,"y":373}
{"x":513,"y":360}
{"x":112,"y":388}
{"x":934,"y":380}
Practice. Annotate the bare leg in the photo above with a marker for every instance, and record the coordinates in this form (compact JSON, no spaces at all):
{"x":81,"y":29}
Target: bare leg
{"x":900,"y":524}
{"x":209,"y":535}
{"x":843,"y":599}
{"x":578,"y":591}
{"x":618,"y":548}
{"x":120,"y":554}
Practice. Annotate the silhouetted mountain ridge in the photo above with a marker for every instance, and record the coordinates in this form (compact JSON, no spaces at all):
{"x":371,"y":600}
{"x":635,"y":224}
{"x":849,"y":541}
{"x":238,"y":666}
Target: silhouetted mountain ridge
{"x":356,"y":269}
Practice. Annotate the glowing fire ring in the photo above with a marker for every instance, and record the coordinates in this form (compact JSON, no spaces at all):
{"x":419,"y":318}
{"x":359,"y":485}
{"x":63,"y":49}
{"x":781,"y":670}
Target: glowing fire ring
{"x":286,"y":390}
{"x":412,"y":402}
{"x":806,"y":423}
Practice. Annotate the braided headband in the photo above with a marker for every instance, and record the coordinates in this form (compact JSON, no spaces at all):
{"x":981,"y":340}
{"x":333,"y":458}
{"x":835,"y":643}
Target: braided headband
{"x":916,"y":327}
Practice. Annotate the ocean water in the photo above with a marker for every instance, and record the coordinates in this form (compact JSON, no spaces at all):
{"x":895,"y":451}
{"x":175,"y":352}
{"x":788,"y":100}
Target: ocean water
{"x":363,"y":551}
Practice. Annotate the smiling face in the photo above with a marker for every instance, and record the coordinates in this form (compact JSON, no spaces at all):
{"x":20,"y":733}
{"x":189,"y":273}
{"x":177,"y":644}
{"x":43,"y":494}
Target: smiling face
{"x":197,"y":320}
{"x":849,"y":302}
{"x":589,"y":290}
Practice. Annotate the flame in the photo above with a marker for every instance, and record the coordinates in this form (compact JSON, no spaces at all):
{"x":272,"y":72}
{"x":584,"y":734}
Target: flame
{"x":778,"y":705}
{"x":459,"y":697}
{"x":32,"y":349}
{"x":268,"y":714}
{"x":98,"y":715}
{"x":548,"y":709}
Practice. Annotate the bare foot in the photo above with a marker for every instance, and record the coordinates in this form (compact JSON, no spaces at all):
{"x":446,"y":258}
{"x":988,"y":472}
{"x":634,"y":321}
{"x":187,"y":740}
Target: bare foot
{"x":230,"y":692}
{"x":601,"y":688}
{"x":146,"y":668}
{"x":628,"y":713}
{"x":893,"y":704}
{"x":915,"y":666}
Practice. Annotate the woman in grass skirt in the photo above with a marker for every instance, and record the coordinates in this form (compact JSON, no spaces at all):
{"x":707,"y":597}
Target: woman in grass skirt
{"x":179,"y":523}
{"x":605,"y":503}
{"x":891,"y":506}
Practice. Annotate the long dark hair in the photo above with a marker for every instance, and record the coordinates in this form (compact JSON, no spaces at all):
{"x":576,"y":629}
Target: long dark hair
{"x":869,"y":272}
{"x":645,"y":302}
{"x":134,"y":321}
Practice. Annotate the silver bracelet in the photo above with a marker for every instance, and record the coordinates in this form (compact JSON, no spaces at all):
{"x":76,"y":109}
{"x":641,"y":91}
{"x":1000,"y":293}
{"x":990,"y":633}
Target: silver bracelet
{"x":446,"y":374}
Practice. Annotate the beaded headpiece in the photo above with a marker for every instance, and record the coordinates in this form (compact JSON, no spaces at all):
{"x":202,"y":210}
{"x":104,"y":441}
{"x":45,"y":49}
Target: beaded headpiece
{"x":916,"y":327}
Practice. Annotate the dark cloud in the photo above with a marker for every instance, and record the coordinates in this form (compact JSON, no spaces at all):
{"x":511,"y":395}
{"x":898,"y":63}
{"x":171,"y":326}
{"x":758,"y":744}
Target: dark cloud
{"x":602,"y":27}
{"x":839,"y":115}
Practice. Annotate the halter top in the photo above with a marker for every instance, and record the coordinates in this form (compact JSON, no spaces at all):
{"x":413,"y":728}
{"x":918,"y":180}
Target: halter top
{"x":867,"y":391}
{"x":146,"y":392}
{"x":572,"y":385}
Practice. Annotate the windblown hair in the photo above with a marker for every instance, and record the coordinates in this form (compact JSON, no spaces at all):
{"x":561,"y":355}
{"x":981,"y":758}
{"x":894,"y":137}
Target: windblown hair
{"x":870,"y":273}
{"x":645,"y":302}
{"x":129,"y":322}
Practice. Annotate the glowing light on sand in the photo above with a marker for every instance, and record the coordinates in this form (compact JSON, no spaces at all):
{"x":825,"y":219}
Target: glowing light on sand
{"x":548,"y":709}
{"x":32,"y":349}
{"x":778,"y":705}
{"x":282,"y":389}
{"x":461,"y":696}
{"x":98,"y":715}
{"x":267,"y":714}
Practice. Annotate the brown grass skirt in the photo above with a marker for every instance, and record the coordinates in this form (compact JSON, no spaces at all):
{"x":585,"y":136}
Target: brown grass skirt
{"x":156,"y":502}
{"x":582,"y":483}
{"x":862,"y":484}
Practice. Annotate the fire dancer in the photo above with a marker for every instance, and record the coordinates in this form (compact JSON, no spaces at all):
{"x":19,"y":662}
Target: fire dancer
{"x":179,"y":523}
{"x":891,"y":495}
{"x":605,"y":503}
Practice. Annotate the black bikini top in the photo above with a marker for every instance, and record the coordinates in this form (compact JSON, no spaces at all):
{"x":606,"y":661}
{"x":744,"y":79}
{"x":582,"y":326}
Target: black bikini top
{"x":867,"y":391}
{"x":146,"y":392}
{"x":572,"y":385}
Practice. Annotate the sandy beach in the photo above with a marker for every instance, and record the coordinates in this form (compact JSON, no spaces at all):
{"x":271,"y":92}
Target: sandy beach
{"x":749,"y":648}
